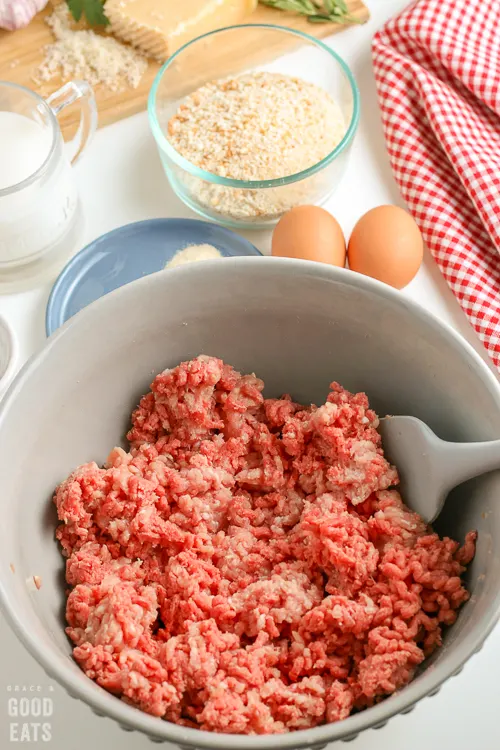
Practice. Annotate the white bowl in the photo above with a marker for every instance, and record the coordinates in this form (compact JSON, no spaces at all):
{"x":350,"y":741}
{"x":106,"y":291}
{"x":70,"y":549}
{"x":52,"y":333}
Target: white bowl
{"x":299,"y":325}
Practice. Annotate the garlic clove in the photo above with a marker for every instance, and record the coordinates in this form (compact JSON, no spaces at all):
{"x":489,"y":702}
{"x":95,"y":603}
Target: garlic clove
{"x":15,"y":14}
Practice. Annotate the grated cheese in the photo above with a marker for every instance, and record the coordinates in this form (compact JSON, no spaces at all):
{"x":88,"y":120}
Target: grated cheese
{"x":84,"y":54}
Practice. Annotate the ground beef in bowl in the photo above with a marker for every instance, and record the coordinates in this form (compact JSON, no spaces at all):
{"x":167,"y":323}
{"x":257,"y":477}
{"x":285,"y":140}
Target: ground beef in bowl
{"x":248,"y":566}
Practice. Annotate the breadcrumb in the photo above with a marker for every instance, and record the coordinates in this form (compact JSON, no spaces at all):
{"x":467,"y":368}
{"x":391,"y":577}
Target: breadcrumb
{"x":93,"y":57}
{"x":257,"y":126}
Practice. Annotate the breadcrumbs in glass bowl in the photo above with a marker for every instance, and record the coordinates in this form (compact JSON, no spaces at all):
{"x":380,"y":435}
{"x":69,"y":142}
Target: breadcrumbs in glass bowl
{"x":243,"y":145}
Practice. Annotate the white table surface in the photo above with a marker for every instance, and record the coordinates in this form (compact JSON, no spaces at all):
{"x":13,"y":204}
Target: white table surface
{"x":121,"y":180}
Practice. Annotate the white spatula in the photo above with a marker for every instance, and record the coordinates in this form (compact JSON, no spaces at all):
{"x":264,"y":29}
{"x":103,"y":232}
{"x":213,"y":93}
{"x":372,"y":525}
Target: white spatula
{"x":429,"y":468}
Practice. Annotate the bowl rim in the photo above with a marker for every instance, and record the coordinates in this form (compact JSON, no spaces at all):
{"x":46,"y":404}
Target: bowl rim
{"x":12,"y":354}
{"x":164,"y":144}
{"x":103,"y":703}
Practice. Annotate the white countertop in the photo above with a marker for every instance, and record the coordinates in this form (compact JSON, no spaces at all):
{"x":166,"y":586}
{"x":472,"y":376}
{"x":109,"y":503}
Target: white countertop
{"x":120,"y":181}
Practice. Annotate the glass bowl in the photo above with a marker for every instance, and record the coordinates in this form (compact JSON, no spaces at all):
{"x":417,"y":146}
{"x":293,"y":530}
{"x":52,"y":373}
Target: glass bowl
{"x":230,"y":52}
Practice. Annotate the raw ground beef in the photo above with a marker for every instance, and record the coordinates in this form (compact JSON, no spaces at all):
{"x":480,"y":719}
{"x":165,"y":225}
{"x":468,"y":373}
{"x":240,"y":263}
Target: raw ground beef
{"x":248,"y":567}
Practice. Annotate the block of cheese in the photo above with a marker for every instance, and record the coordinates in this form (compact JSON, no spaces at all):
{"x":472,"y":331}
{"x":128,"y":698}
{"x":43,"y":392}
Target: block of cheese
{"x":159,"y":27}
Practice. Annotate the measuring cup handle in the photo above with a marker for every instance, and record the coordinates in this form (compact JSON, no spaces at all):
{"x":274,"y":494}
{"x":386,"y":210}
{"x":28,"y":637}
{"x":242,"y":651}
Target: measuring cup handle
{"x":68,"y":94}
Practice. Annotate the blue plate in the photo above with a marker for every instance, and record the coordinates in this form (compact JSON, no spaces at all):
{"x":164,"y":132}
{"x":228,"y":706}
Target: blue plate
{"x":127,"y":254}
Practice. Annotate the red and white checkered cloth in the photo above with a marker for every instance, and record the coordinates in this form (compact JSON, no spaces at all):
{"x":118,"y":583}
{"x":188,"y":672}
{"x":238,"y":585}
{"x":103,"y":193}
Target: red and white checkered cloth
{"x":437,"y":68}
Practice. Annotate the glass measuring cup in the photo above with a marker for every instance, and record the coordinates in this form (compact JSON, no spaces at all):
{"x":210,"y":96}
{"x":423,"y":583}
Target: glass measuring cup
{"x":40,"y":214}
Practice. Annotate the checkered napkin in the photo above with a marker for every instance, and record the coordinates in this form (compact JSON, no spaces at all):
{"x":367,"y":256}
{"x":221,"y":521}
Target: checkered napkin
{"x":437,"y":69}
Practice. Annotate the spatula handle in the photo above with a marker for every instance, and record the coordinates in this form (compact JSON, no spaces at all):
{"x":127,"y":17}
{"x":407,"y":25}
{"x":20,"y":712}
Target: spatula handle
{"x":463,"y":461}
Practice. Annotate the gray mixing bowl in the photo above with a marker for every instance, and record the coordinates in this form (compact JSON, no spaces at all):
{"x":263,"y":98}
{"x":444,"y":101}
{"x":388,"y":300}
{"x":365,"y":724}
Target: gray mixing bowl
{"x":298,"y":325}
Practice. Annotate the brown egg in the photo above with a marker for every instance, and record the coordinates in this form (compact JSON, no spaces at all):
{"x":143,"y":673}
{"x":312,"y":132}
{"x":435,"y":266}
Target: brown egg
{"x":309,"y":233}
{"x":386,"y":244}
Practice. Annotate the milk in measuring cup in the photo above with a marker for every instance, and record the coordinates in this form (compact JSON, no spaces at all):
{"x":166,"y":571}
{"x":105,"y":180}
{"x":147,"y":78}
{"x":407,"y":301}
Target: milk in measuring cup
{"x":43,"y":213}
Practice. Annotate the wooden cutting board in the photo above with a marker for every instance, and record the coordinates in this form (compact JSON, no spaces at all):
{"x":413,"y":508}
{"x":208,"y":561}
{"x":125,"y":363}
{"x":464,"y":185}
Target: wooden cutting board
{"x":21,"y":53}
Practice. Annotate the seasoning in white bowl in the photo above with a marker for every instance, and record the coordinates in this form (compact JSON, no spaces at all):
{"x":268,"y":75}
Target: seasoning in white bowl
{"x":254,"y":127}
